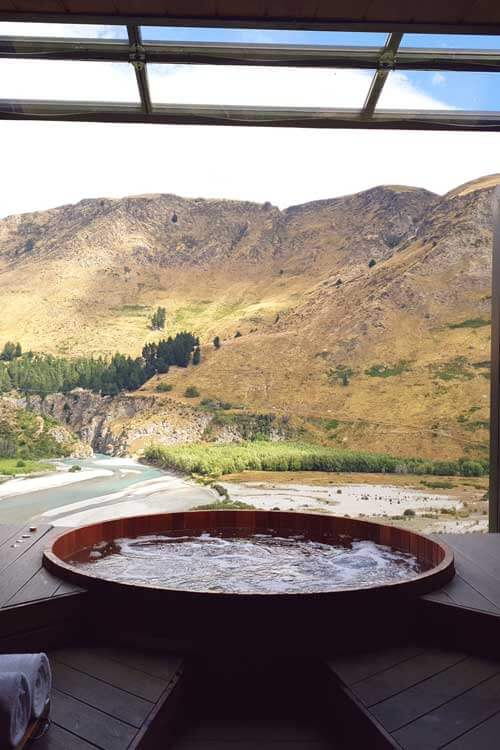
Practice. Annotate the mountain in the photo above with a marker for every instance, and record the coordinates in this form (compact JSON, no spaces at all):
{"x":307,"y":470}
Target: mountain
{"x":365,"y":318}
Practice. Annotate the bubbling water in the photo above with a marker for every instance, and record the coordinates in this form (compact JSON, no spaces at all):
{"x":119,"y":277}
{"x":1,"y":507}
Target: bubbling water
{"x":257,"y":564}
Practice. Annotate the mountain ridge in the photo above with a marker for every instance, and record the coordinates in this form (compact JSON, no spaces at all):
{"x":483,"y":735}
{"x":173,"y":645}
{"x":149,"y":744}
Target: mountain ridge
{"x":356,"y":284}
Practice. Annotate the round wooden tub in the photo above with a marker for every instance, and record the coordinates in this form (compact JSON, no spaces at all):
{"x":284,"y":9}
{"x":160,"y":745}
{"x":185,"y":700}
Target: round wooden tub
{"x":193,"y":615}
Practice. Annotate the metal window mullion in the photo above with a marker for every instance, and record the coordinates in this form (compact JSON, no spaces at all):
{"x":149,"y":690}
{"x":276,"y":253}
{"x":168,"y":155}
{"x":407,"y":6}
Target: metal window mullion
{"x":138,"y":60}
{"x":24,"y":109}
{"x":224,"y":53}
{"x":385,"y":65}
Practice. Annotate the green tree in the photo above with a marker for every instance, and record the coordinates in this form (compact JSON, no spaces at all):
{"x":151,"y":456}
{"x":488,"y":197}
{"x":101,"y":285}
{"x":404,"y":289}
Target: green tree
{"x":217,"y":342}
{"x":158,"y":319}
{"x":197,"y":356}
{"x":5,"y":384}
{"x":237,"y":334}
{"x":9,"y":351}
{"x":372,"y":263}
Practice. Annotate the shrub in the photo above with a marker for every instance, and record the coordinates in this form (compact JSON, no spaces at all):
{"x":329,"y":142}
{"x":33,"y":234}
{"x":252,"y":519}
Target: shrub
{"x":74,"y":468}
{"x":372,"y":263}
{"x":164,"y":387}
{"x":409,"y":513}
{"x":20,"y":463}
{"x":191,"y":392}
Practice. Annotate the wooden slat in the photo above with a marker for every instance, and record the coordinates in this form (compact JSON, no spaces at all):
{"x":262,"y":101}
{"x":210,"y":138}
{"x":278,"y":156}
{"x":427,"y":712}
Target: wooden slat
{"x":390,"y":681}
{"x":89,"y":723}
{"x":58,"y":738}
{"x":10,"y":554}
{"x":66,"y":587}
{"x":160,"y":665}
{"x":42,"y":585}
{"x":481,"y":549}
{"x":484,"y":583}
{"x":20,"y":570}
{"x":450,"y":721}
{"x":359,"y":667}
{"x":10,"y":531}
{"x":94,"y":663}
{"x":107,"y":698}
{"x":426,"y":696}
{"x":483,"y":737}
{"x":463,"y":594}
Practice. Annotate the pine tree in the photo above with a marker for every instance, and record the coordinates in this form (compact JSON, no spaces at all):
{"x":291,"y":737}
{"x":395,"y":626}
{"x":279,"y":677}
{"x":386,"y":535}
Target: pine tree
{"x":217,"y":342}
{"x":197,"y":356}
{"x":5,"y":384}
{"x":8,"y":352}
{"x":158,"y":319}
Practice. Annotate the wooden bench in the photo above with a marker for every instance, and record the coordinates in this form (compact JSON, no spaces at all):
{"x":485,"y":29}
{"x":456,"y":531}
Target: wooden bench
{"x":111,"y":699}
{"x":417,"y":698}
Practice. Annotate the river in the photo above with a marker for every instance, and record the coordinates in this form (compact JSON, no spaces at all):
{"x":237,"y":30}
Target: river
{"x":105,"y":487}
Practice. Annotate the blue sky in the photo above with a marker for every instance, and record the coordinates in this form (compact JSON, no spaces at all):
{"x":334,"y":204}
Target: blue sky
{"x":468,"y":91}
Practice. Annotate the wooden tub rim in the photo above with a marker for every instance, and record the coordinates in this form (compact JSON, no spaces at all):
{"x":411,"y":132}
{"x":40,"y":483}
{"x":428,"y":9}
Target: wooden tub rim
{"x":429,"y":580}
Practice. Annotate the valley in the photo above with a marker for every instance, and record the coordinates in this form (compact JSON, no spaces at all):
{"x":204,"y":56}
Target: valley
{"x":356,"y":326}
{"x":369,"y":312}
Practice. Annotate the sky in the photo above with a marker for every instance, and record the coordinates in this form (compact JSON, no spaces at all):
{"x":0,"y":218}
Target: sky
{"x":49,"y":164}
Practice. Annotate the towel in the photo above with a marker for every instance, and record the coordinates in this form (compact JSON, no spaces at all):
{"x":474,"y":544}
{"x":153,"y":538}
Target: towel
{"x":36,"y":667}
{"x":15,"y":708}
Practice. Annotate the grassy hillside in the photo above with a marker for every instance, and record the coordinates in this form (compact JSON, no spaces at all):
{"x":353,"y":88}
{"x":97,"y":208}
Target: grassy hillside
{"x":365,"y":318}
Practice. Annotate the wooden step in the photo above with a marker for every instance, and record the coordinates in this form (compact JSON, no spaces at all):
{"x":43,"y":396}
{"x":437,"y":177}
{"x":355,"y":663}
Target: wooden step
{"x":418,"y":698}
{"x":112,"y":699}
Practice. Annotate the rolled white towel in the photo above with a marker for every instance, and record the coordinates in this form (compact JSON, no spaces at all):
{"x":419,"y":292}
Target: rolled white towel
{"x":15,"y":708}
{"x":36,"y":667}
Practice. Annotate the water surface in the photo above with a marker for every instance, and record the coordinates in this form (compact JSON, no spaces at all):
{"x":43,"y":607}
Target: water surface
{"x":258,"y":564}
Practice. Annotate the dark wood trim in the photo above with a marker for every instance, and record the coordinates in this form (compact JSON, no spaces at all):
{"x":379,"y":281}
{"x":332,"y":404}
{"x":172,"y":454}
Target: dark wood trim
{"x":494,"y":507}
{"x":255,"y":22}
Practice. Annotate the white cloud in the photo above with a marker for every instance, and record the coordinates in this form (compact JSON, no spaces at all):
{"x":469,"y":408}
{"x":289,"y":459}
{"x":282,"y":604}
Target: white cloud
{"x":8,"y":28}
{"x":438,"y":79}
{"x":48,"y":164}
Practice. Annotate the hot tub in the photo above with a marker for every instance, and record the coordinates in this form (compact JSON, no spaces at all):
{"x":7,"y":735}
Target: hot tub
{"x":184,"y":611}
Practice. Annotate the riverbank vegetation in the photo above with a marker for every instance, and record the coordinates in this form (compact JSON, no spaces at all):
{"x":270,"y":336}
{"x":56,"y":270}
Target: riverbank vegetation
{"x":26,"y":439}
{"x":219,"y":459}
{"x":12,"y":467}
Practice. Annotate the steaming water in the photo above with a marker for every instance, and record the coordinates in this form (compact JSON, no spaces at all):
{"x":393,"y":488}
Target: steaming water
{"x":257,"y":564}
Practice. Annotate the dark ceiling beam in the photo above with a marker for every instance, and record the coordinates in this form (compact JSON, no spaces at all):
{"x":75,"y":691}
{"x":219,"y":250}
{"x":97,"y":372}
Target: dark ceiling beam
{"x":209,"y":53}
{"x":245,"y":22}
{"x":248,"y":116}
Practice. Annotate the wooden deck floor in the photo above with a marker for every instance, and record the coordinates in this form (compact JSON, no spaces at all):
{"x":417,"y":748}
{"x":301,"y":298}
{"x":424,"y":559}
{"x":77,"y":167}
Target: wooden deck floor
{"x":420,"y":698}
{"x":476,"y":585}
{"x":109,"y":698}
{"x":23,"y":579}
{"x":417,"y":696}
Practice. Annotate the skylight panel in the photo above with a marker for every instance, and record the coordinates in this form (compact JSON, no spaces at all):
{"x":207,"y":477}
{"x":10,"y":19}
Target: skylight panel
{"x":67,"y":81}
{"x":63,"y":30}
{"x":451,"y":41}
{"x":440,"y":90}
{"x":255,"y":86}
{"x":263,"y":36}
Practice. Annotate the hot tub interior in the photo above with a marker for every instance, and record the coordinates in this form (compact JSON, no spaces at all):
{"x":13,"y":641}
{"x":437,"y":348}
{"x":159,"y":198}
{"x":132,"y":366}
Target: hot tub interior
{"x":249,"y":552}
